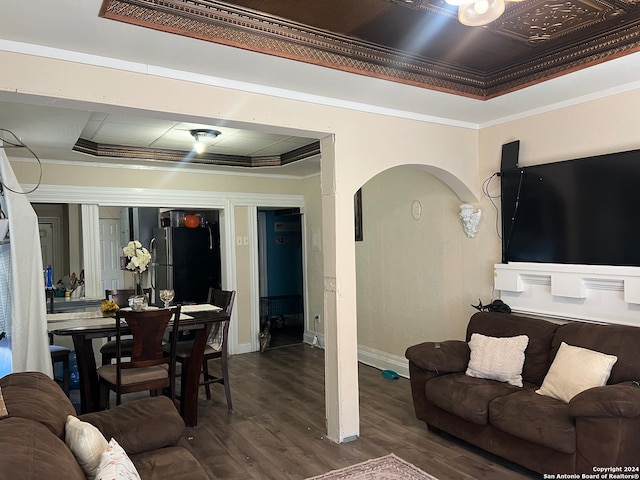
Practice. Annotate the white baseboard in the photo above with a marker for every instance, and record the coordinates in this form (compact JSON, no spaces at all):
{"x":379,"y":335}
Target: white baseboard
{"x":244,"y":348}
{"x":366,"y":355}
{"x":383,"y":360}
{"x":370,"y":356}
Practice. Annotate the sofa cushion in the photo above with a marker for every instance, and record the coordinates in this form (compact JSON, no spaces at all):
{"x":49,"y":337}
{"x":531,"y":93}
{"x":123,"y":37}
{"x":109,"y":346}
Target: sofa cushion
{"x":497,"y":358}
{"x":540,"y":333}
{"x":140,"y":425}
{"x":86,"y":443}
{"x":536,"y":418}
{"x":618,"y":340}
{"x":30,"y":451}
{"x":115,"y":464}
{"x":176,"y":463}
{"x":574,"y":370}
{"x":35,"y":396}
{"x":464,"y":396}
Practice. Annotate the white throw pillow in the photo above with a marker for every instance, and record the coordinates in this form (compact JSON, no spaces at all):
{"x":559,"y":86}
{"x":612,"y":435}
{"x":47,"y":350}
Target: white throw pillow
{"x":116,"y":465}
{"x":497,"y":358}
{"x":87,"y":444}
{"x":574,"y":370}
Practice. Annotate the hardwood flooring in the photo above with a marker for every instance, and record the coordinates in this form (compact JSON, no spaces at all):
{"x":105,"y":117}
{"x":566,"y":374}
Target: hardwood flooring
{"x":277,"y":429}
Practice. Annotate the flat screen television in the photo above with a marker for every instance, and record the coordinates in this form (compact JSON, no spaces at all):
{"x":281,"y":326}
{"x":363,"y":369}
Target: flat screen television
{"x":582,"y":211}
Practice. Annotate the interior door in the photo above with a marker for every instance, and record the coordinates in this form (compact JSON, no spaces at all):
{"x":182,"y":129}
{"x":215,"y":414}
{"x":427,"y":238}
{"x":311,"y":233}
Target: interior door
{"x":49,"y":228}
{"x":111,"y":251}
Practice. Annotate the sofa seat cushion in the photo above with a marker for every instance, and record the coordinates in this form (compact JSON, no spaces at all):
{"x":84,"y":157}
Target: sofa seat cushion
{"x":536,"y":418}
{"x":30,"y":451}
{"x":466,"y":397}
{"x":176,"y":463}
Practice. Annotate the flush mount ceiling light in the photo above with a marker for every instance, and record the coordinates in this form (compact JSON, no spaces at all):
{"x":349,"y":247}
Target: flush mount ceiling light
{"x":200,"y":136}
{"x":475,"y":13}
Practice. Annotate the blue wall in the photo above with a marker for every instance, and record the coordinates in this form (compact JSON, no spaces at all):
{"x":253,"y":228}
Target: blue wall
{"x":284,"y":254}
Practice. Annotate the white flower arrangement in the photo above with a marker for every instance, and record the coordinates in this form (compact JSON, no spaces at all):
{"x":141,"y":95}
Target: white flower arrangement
{"x":139,"y":257}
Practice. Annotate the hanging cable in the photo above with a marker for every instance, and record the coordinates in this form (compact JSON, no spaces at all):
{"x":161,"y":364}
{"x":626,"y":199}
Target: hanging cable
{"x":18,"y":144}
{"x":485,"y":190}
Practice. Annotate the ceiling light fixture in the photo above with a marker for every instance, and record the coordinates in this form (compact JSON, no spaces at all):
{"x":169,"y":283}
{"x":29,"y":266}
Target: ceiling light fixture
{"x":475,"y":13}
{"x":200,"y":135}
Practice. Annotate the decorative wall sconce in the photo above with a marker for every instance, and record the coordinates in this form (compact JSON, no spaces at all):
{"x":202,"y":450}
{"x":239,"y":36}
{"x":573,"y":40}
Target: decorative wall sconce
{"x":470,"y":219}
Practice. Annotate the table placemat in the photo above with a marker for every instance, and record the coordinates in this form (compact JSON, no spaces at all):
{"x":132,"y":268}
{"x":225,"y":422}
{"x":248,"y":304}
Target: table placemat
{"x":63,"y":317}
{"x":200,"y":307}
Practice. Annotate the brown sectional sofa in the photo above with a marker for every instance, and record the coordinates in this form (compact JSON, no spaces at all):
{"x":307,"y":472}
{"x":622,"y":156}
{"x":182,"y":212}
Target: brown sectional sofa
{"x":597,"y":428}
{"x":32,"y":435}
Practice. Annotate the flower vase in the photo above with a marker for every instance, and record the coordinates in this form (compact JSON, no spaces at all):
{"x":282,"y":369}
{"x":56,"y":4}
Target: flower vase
{"x":138,"y":301}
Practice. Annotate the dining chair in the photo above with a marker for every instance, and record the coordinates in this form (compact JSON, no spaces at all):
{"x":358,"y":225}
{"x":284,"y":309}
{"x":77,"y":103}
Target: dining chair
{"x":121,"y":298}
{"x":148,"y":368}
{"x":216,"y":347}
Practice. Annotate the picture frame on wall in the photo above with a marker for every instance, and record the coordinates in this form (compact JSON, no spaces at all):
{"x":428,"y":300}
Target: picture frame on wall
{"x":357,"y":208}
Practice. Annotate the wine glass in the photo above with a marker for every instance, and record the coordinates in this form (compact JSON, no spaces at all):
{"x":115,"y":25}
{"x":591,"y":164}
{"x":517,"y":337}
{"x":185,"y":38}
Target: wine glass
{"x":166,"y":296}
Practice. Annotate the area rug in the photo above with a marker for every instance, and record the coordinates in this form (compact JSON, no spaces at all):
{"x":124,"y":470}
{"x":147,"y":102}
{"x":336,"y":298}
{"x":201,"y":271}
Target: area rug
{"x":388,"y":467}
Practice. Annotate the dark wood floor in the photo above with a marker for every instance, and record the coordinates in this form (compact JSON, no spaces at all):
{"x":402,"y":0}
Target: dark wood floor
{"x":277,"y":429}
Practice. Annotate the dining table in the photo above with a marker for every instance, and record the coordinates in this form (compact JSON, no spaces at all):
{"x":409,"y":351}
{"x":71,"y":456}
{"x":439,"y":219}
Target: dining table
{"x":84,"y":327}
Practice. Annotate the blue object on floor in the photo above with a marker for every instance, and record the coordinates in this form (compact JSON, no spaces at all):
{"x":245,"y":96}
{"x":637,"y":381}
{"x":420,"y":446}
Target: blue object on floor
{"x":390,"y":374}
{"x":74,"y":382}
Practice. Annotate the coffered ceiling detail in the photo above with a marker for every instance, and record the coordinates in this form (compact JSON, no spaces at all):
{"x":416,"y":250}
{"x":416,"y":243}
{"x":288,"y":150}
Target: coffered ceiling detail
{"x":415,"y":42}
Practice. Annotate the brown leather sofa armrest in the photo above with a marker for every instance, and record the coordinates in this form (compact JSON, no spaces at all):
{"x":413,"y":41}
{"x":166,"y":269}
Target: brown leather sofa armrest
{"x":140,"y":425}
{"x":440,"y":357}
{"x":619,"y":400}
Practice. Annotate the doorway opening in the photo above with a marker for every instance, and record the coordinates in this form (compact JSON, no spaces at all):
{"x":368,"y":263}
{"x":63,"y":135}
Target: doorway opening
{"x":280,"y":277}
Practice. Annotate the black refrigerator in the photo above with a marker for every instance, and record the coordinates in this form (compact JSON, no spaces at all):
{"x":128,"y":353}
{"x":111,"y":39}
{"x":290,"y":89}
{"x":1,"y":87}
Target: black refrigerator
{"x":186,"y":260}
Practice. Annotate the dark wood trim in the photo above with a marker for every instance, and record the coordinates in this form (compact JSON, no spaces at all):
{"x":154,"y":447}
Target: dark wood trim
{"x":123,"y":151}
{"x":357,"y":207}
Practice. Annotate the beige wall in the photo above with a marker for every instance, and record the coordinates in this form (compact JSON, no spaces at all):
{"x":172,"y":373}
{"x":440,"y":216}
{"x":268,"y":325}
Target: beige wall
{"x":354,"y":154}
{"x":599,"y":126}
{"x":418,"y":278}
{"x":243,"y":286}
{"x":359,"y":155}
{"x":605,"y":125}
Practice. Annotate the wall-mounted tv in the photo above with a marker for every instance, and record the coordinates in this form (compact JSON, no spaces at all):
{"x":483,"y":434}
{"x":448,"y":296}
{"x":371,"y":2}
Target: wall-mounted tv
{"x":582,"y":211}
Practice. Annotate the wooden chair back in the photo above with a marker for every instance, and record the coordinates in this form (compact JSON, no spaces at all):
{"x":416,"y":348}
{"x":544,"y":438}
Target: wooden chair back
{"x":217,"y":344}
{"x":148,"y":327}
{"x":222,"y":298}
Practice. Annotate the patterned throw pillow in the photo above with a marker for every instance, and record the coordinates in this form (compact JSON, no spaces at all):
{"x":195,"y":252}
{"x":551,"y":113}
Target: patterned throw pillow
{"x":116,"y":465}
{"x":497,"y":358}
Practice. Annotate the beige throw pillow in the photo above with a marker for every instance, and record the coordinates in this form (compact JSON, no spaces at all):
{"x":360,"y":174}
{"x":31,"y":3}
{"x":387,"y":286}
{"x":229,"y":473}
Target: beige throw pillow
{"x":574,"y":370}
{"x":115,"y":464}
{"x":497,"y":358}
{"x":87,"y":444}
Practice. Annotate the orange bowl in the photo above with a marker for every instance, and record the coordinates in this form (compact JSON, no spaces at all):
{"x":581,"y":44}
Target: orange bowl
{"x":192,"y":221}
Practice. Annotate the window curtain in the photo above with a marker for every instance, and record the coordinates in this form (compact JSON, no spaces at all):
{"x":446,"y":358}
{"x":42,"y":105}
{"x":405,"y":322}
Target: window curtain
{"x":26,"y":317}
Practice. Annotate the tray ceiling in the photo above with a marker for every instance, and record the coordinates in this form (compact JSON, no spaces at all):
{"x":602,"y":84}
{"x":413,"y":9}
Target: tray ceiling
{"x":415,"y":42}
